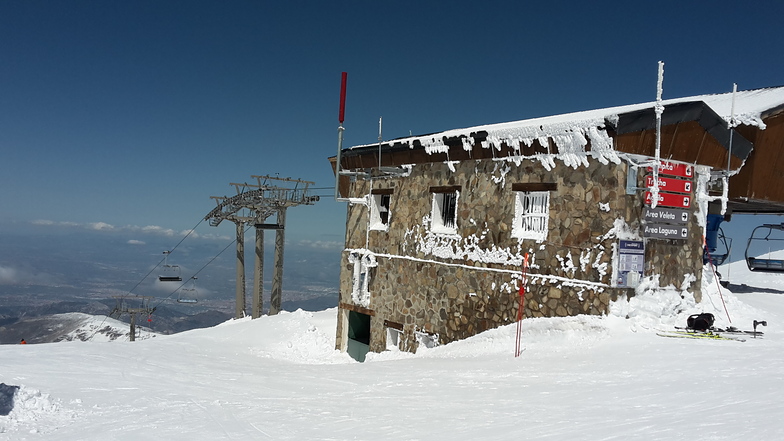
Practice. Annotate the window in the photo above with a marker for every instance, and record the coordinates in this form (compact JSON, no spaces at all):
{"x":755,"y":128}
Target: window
{"x":394,"y":334}
{"x":379,"y":209}
{"x":532,"y":211}
{"x":444,"y":212}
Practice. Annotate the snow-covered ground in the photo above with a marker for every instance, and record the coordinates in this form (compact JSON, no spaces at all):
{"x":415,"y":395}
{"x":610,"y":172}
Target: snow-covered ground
{"x":584,"y":378}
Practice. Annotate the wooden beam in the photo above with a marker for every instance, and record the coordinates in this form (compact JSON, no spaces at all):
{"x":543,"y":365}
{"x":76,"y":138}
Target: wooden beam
{"x":358,"y":309}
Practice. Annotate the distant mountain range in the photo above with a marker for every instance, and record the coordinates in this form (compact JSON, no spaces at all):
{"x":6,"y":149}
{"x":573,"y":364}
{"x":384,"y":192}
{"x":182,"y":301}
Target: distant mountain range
{"x":75,"y":320}
{"x":48,"y":272}
{"x":72,"y":326}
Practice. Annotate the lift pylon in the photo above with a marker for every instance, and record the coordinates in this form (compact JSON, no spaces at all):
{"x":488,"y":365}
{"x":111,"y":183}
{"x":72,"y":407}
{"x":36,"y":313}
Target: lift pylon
{"x":253,"y":204}
{"x":123,"y":306}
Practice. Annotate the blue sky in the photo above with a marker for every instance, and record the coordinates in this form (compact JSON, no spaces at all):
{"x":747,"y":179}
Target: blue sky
{"x":133,"y":114}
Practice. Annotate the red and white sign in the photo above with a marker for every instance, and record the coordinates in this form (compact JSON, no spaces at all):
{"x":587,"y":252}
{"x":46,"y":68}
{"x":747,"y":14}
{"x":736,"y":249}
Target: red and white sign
{"x":670,"y":184}
{"x":670,"y":200}
{"x":675,"y":169}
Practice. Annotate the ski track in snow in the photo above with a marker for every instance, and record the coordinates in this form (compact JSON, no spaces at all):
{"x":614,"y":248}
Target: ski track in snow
{"x":279,"y":377}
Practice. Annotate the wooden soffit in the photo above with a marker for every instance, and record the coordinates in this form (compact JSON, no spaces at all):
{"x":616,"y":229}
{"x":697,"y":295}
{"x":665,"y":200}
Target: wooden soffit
{"x":691,"y":132}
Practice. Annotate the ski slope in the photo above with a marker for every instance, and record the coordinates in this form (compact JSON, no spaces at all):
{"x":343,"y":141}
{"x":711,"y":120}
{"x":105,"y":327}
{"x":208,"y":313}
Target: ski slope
{"x":579,"y":378}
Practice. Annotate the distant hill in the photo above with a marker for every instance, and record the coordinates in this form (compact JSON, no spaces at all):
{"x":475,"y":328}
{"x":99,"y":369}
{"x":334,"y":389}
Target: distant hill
{"x":79,"y":320}
{"x":49,"y":322}
{"x":73,"y":326}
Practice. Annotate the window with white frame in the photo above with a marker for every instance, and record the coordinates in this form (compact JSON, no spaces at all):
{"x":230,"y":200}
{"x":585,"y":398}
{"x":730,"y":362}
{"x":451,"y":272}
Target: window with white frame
{"x":444,"y":212}
{"x":379,"y":209}
{"x":394,"y":334}
{"x":532,"y":211}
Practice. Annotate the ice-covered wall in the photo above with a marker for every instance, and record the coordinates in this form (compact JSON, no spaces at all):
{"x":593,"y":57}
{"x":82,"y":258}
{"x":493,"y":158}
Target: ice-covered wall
{"x":456,"y":285}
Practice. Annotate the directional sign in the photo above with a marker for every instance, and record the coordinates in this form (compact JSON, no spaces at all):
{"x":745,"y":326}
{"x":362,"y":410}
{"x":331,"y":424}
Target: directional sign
{"x":670,"y":200}
{"x":675,"y":169}
{"x":670,"y":184}
{"x":665,"y":215}
{"x":665,"y":231}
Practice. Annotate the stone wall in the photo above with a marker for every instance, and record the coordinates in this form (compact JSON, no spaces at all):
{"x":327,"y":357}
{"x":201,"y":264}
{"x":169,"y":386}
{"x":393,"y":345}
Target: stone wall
{"x":455,"y":286}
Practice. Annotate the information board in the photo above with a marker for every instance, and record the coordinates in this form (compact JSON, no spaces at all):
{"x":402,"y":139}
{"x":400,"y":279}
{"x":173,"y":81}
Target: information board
{"x":631,"y":262}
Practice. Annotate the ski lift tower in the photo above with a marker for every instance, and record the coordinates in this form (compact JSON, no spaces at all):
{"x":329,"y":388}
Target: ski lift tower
{"x":253,"y":205}
{"x":141,"y":308}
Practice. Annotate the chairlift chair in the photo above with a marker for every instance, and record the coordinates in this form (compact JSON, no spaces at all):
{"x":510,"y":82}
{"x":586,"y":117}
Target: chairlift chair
{"x":169,"y":273}
{"x":188,"y":294}
{"x":721,"y":253}
{"x":717,"y":245}
{"x":761,"y":264}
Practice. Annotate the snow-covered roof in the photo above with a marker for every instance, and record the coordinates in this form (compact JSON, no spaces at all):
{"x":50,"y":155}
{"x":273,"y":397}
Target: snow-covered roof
{"x":750,"y":107}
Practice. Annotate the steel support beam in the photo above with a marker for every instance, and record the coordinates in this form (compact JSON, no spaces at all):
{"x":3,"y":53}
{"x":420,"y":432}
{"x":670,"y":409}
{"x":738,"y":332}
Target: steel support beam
{"x":277,"y":278}
{"x":240,"y":306}
{"x":258,"y":275}
{"x":253,"y":204}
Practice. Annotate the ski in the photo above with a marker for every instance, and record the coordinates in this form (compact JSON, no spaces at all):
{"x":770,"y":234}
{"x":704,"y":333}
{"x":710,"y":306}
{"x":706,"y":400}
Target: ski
{"x":730,"y":330}
{"x":697,"y":335}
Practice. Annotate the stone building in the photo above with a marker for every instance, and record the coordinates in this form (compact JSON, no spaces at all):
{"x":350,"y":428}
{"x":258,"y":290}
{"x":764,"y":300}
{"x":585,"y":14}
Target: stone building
{"x":439,"y":226}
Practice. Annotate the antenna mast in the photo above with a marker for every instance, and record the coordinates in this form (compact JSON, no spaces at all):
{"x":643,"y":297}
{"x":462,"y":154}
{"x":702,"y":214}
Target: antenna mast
{"x":380,"y":119}
{"x":659,"y":109}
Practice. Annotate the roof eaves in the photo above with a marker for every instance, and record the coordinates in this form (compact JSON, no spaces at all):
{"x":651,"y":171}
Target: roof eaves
{"x":699,"y":111}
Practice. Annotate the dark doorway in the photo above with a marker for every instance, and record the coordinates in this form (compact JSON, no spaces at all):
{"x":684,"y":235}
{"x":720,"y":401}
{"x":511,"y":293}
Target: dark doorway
{"x":358,"y":335}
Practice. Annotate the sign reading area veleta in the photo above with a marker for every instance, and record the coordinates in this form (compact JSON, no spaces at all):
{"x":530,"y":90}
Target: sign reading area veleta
{"x":675,"y":169}
{"x":665,"y":215}
{"x":665,"y":231}
{"x":670,"y":184}
{"x":670,"y":200}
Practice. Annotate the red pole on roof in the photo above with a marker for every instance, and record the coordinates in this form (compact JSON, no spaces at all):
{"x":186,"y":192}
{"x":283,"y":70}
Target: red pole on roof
{"x":340,"y":133}
{"x":342,"y":97}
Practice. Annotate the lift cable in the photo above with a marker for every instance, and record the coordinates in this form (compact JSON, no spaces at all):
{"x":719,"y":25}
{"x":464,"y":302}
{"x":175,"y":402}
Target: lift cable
{"x":150,"y":272}
{"x":200,"y":270}
{"x":164,"y":258}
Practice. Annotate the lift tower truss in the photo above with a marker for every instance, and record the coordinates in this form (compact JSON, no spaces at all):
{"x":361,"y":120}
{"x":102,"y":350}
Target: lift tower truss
{"x":253,"y":205}
{"x":133,"y":306}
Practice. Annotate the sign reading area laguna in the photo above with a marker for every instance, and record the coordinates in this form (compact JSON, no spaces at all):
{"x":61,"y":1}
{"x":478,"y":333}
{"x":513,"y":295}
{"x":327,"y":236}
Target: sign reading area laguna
{"x":665,"y":231}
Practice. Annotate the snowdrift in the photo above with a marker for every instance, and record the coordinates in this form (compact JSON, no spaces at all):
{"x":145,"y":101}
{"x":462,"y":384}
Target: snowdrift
{"x":279,"y":377}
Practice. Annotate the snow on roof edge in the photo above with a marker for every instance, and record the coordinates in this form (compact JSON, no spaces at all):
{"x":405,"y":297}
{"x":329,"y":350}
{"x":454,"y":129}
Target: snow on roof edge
{"x":568,"y":128}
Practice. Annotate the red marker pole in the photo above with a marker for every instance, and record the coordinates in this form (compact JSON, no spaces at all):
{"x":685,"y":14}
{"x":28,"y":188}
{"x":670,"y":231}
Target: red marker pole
{"x":341,"y":116}
{"x":342,"y":113}
{"x":521,"y":307}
